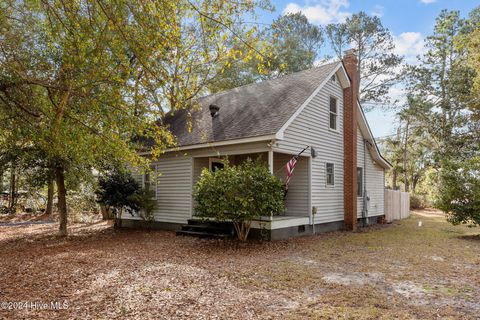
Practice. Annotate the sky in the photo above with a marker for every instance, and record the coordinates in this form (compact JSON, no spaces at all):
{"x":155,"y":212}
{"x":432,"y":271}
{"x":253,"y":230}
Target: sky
{"x":409,"y":21}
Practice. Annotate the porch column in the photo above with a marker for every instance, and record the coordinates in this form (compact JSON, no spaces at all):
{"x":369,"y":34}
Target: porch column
{"x":270,"y":161}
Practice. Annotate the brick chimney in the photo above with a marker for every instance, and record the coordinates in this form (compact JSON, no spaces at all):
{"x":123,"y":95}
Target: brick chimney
{"x":350,"y":96}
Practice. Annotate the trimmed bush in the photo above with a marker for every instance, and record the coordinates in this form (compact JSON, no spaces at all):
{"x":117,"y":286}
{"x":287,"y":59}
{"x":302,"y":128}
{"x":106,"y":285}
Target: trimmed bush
{"x":238,"y":194}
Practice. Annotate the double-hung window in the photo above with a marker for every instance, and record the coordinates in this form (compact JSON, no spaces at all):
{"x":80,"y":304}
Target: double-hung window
{"x":333,"y":113}
{"x":330,"y":174}
{"x":359,"y":181}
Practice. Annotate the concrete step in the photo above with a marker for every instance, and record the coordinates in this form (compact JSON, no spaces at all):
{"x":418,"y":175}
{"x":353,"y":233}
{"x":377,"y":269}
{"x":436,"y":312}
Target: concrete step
{"x":202,"y":234}
{"x":207,"y":228}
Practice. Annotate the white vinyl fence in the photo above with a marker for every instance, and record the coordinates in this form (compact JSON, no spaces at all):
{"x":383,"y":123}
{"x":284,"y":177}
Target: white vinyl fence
{"x":397,"y":205}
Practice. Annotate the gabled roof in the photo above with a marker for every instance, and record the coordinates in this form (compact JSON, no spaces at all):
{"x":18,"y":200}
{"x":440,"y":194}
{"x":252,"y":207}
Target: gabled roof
{"x":368,"y":136}
{"x":254,"y":110}
{"x":260,"y":111}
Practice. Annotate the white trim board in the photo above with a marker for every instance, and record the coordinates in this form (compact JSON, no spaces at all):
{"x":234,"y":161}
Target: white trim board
{"x":367,"y":134}
{"x":220,"y":143}
{"x":277,"y":223}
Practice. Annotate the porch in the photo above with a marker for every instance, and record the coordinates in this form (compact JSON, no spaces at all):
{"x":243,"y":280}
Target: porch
{"x":297,"y":201}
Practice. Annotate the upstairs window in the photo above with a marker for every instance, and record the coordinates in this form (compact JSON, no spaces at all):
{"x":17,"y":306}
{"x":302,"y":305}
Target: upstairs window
{"x":333,"y":113}
{"x":359,"y":182}
{"x":330,"y":174}
{"x":333,"y":78}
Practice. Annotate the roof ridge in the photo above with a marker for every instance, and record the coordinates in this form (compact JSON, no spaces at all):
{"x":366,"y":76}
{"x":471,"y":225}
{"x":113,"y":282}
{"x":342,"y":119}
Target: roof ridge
{"x":269,"y":80}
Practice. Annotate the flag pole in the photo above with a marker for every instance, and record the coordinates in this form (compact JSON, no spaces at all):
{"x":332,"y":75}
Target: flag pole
{"x":298,"y":155}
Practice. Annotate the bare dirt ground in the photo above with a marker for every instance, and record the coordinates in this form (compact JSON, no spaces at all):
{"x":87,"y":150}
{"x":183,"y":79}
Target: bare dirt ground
{"x":399,"y":271}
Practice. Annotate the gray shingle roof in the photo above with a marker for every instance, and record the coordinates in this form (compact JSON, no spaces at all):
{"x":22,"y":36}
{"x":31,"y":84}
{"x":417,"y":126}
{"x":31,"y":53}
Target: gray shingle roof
{"x":249,"y":111}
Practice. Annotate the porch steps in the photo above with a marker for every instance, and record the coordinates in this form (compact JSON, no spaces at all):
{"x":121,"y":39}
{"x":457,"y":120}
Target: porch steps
{"x":207,"y":229}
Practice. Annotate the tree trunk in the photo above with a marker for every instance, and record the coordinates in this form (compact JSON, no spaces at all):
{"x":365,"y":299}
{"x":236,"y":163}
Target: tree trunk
{"x":62,"y":199}
{"x":13,"y":195}
{"x":394,"y":179}
{"x":242,"y":229}
{"x":50,"y":192}
{"x":118,"y":218}
{"x":415,"y":181}
{"x":106,"y":212}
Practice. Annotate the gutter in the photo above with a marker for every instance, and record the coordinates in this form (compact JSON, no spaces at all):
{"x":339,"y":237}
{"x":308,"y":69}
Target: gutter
{"x":220,"y":143}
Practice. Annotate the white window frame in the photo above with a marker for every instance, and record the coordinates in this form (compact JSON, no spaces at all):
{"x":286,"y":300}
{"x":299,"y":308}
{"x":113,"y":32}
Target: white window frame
{"x":326,"y":174}
{"x":154,"y":181}
{"x":360,"y":184}
{"x":334,"y":113}
{"x":212,"y":160}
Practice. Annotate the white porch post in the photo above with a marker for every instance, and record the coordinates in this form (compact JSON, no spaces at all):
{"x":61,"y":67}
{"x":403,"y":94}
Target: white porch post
{"x":270,"y":166}
{"x":270,"y":161}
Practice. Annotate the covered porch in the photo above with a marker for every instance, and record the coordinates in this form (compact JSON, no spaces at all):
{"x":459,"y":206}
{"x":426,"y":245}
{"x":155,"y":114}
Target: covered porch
{"x":297,"y":200}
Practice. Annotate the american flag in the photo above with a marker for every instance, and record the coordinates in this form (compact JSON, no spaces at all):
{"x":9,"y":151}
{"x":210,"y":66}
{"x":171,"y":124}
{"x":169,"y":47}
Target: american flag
{"x":289,"y":169}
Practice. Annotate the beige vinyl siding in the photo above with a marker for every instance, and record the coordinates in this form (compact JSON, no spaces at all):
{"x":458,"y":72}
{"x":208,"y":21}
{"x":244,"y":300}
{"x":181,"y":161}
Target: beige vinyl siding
{"x":311,"y":127}
{"x":177,"y":173}
{"x":198,"y":165}
{"x":375,"y":180}
{"x":296,"y":201}
{"x":174,"y":189}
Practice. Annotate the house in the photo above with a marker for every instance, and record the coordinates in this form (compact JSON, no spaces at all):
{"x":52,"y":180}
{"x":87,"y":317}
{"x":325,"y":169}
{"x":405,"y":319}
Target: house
{"x":337,"y":182}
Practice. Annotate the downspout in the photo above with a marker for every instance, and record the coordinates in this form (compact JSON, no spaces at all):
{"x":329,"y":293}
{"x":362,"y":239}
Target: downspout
{"x":364,"y":195}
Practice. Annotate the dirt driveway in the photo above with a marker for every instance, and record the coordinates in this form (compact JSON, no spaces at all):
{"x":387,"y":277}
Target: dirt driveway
{"x":398,"y":271}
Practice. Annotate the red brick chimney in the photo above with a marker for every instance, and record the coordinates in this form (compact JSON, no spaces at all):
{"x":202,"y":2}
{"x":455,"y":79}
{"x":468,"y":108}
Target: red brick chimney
{"x":350,"y":96}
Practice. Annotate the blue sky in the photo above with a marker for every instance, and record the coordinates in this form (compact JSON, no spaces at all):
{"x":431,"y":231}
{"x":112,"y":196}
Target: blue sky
{"x":410,"y":21}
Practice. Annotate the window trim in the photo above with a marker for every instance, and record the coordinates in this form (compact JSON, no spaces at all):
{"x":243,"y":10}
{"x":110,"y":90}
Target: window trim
{"x":360,"y":182}
{"x":335,"y":113}
{"x":326,"y":174}
{"x":154,"y":182}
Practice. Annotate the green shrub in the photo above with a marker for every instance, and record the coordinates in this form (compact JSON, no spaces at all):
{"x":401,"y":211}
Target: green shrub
{"x":114,"y":191}
{"x":145,"y":201}
{"x":238,"y":194}
{"x":459,"y":194}
{"x":418,"y":201}
{"x":120,"y":191}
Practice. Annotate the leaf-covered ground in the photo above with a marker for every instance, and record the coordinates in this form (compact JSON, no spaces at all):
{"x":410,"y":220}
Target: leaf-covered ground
{"x":398,"y":271}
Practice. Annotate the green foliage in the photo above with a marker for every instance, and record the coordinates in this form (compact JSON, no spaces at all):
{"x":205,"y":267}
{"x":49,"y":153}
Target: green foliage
{"x":115,"y":189}
{"x":418,"y":201}
{"x":238,"y":194}
{"x":294,"y":44}
{"x":374,"y":46}
{"x":80,"y":80}
{"x":439,"y":126}
{"x":121,"y":191}
{"x":146,"y":203}
{"x":469,"y":41}
{"x":82,"y":204}
{"x":459,"y":194}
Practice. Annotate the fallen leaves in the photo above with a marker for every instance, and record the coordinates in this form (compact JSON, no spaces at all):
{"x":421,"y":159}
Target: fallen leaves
{"x":138,"y":274}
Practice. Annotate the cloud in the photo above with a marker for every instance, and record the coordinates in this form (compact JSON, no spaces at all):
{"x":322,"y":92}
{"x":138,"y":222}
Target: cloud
{"x":322,"y":12}
{"x":428,"y":1}
{"x":377,"y":11}
{"x":409,"y":45}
